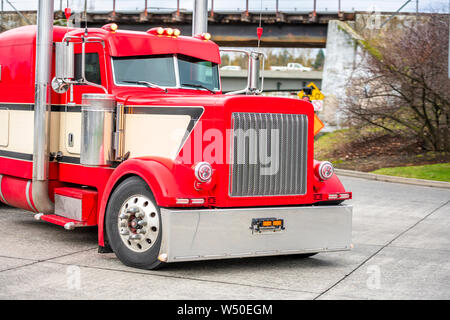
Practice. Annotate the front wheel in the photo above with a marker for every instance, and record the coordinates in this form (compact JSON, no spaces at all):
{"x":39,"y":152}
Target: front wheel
{"x":133,"y":224}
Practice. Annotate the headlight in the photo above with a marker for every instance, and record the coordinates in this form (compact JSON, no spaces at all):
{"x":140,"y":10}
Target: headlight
{"x":326,"y":170}
{"x":203,"y":171}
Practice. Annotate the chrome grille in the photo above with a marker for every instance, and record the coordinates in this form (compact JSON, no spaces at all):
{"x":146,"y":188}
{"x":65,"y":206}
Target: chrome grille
{"x":269,"y":154}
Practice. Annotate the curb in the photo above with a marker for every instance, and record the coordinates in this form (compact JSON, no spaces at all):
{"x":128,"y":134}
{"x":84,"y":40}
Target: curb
{"x":381,"y":177}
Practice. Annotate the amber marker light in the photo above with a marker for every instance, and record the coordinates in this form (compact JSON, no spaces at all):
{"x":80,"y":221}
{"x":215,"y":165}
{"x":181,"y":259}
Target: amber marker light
{"x":267,"y":223}
{"x":159,"y":31}
{"x":206,"y":36}
{"x":318,"y":124}
{"x":112,"y":27}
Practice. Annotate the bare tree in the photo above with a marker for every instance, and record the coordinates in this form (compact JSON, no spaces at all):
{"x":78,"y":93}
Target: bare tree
{"x":401,"y":82}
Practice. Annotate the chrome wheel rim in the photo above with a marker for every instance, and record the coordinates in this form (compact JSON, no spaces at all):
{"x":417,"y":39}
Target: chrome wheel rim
{"x":138,"y":223}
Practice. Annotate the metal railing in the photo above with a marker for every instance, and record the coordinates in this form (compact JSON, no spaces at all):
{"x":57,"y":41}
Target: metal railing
{"x":245,"y":7}
{"x":146,"y":7}
{"x":179,"y":7}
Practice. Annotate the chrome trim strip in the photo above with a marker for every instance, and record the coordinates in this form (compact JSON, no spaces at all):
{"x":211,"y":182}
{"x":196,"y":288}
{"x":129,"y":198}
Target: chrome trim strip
{"x":28,"y":196}
{"x":68,"y":207}
{"x":177,"y":71}
{"x":291,"y":178}
{"x":186,"y":257}
{"x":1,"y":194}
{"x":241,"y":254}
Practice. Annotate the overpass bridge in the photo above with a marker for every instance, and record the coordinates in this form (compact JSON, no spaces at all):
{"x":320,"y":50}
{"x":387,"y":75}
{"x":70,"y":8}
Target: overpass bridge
{"x":288,"y":26}
{"x":237,"y":29}
{"x":305,"y":28}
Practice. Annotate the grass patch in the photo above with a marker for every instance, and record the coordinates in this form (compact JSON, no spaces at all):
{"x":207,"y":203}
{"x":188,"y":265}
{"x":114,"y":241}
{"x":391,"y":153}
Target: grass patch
{"x":438,"y":172}
{"x":326,"y":144}
{"x":371,"y":148}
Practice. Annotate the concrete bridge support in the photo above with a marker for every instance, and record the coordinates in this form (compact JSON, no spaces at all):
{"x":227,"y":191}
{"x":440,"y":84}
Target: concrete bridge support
{"x":11,"y":20}
{"x":341,"y":55}
{"x":344,"y":51}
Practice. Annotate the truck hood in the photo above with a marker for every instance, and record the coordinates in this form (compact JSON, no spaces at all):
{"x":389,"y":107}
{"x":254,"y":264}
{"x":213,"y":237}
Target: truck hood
{"x":223,"y":103}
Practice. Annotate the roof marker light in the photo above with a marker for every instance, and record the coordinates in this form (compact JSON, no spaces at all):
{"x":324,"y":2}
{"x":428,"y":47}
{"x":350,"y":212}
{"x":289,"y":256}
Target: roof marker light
{"x":203,"y":36}
{"x":110,"y":27}
{"x":159,"y":31}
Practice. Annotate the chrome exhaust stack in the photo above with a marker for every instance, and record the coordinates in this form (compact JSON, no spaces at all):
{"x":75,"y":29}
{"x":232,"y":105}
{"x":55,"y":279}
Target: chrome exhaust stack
{"x":200,"y":17}
{"x":44,"y":48}
{"x":255,"y":77}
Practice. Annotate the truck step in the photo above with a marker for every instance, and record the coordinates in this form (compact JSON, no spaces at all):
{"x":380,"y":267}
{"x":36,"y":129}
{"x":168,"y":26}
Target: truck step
{"x":68,"y":224}
{"x":77,"y":204}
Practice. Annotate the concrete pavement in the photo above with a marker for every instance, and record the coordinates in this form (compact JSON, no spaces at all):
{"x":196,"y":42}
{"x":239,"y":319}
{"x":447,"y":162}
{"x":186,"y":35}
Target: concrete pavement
{"x":401,"y":235}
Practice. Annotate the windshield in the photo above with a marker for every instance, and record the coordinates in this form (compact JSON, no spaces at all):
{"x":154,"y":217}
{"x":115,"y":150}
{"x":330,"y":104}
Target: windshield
{"x":156,"y":69}
{"x":162,"y":70}
{"x":198,"y":72}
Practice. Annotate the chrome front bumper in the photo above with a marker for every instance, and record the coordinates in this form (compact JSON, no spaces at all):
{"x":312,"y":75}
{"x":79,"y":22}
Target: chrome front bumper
{"x":203,"y":234}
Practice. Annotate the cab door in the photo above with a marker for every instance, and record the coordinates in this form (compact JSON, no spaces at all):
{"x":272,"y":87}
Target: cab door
{"x":95,"y":72}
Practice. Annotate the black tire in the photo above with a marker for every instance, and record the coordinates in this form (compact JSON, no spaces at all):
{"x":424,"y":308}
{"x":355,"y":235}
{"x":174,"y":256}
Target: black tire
{"x":144,"y":260}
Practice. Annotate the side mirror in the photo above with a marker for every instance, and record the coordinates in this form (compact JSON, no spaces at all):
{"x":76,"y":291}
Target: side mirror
{"x":255,"y":76}
{"x":255,"y":80}
{"x":64,"y":66}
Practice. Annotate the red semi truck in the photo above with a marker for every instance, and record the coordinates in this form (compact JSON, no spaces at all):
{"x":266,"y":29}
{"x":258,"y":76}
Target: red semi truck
{"x":136,"y":137}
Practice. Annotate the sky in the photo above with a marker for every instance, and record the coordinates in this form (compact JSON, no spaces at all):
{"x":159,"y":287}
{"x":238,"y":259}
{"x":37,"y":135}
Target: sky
{"x":239,"y":5}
